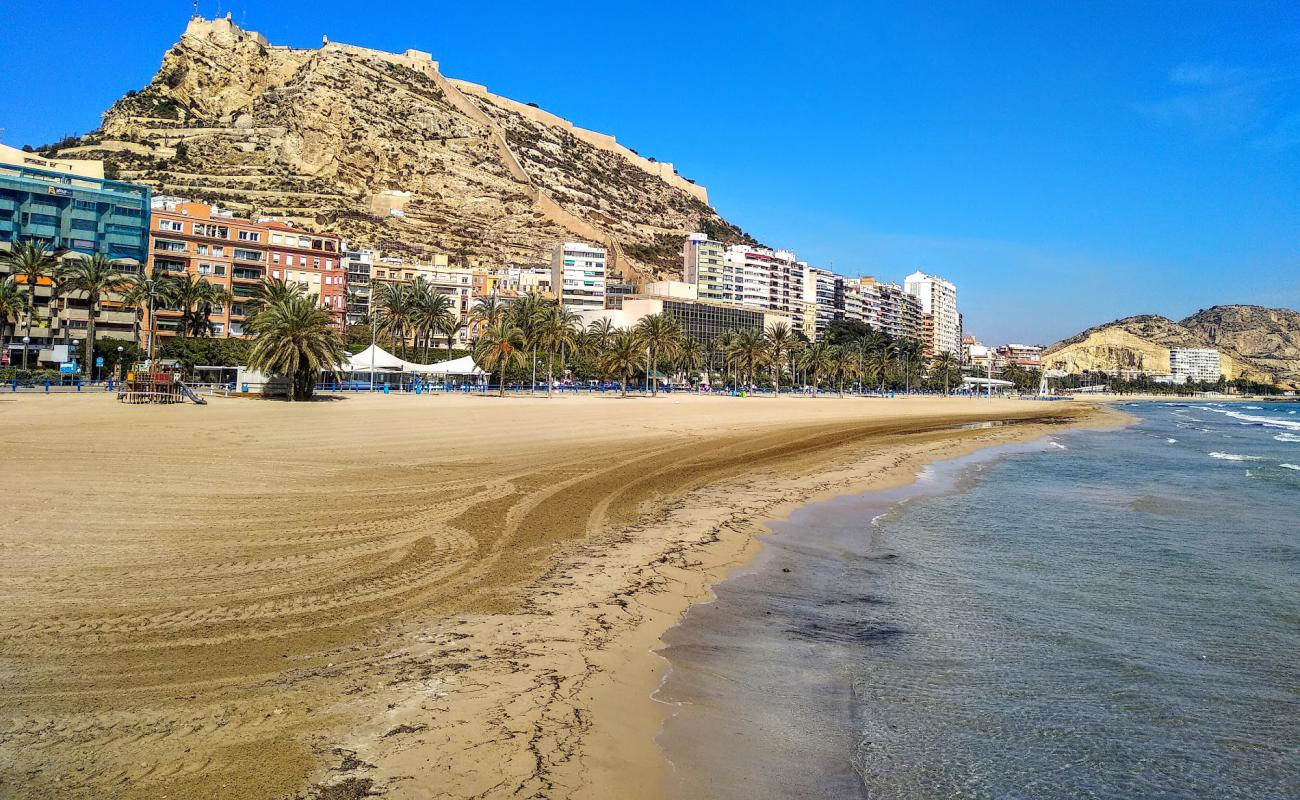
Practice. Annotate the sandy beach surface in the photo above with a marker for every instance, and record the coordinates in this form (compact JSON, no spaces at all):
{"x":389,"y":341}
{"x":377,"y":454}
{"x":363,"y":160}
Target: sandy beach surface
{"x":416,"y":597}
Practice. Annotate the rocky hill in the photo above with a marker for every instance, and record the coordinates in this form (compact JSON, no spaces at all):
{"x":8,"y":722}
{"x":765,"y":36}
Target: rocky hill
{"x":1269,"y":337}
{"x":385,"y":150}
{"x":1143,"y":343}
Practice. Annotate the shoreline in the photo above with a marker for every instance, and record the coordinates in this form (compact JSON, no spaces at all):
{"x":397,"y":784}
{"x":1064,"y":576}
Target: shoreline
{"x":423,"y":603}
{"x":601,"y":735}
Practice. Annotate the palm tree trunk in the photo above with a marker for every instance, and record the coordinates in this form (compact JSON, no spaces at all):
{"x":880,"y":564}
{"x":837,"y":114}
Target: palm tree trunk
{"x":624,"y":384}
{"x":88,"y":353}
{"x":502,"y":387}
{"x":654,"y":367}
{"x":550,"y":374}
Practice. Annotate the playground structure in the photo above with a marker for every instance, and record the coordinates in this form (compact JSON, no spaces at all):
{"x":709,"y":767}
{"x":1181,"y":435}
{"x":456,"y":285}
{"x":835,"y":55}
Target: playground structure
{"x":156,"y":382}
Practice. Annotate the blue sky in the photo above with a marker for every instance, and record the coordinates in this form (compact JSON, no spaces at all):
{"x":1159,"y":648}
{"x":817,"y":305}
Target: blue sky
{"x":1064,"y":163}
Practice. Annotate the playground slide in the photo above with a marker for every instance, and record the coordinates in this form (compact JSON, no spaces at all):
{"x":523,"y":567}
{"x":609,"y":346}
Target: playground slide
{"x":191,"y":396}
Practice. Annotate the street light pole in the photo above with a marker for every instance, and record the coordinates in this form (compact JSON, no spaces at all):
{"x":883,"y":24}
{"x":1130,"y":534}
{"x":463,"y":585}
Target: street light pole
{"x":26,"y":340}
{"x":374,"y":332}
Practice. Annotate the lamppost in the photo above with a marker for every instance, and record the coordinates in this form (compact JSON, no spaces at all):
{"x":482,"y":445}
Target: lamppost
{"x":76,"y":344}
{"x":120,"y":366}
{"x":26,"y":341}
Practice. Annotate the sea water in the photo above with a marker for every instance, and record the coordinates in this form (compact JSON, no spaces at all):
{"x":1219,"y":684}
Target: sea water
{"x":1110,"y":614}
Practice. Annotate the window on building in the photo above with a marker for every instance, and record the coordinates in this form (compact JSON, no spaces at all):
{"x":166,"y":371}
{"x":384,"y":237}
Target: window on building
{"x":250,"y":236}
{"x":211,"y":231}
{"x":172,"y":225}
{"x":275,"y":258}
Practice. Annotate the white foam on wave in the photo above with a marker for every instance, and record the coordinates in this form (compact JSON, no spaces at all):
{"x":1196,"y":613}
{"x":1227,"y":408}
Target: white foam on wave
{"x":1287,"y":437}
{"x":1171,"y":441}
{"x":1058,"y":446}
{"x":1290,"y":466}
{"x":1235,"y":457}
{"x":1255,"y":419}
{"x":1252,"y":408}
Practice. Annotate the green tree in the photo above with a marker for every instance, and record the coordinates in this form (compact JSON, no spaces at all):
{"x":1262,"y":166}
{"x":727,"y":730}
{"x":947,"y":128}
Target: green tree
{"x":779,"y":340}
{"x":499,"y":346}
{"x":450,"y":327}
{"x":558,"y":333}
{"x":295,"y":338}
{"x":394,"y":304}
{"x":662,"y":337}
{"x":690,"y":357}
{"x":94,"y":277}
{"x":144,"y":292}
{"x":945,"y":370}
{"x":30,"y":262}
{"x":196,"y":298}
{"x":624,"y":356}
{"x":11,"y":305}
{"x":749,"y":351}
{"x":820,"y":360}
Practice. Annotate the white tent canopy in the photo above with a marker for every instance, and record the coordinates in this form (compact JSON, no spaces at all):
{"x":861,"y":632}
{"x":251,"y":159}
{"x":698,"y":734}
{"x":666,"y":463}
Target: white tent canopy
{"x":375,"y":358}
{"x":457,"y":366}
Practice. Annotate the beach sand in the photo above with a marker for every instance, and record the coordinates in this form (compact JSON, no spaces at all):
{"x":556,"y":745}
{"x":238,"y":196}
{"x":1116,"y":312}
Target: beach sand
{"x":428,"y":597}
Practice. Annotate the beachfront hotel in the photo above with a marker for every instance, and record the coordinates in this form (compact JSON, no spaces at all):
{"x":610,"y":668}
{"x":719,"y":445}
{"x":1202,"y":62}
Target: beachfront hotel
{"x":578,"y":275}
{"x":68,"y":206}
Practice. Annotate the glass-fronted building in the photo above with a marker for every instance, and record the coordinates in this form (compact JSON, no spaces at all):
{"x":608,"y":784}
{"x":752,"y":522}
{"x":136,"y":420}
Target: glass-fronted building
{"x":69,"y":207}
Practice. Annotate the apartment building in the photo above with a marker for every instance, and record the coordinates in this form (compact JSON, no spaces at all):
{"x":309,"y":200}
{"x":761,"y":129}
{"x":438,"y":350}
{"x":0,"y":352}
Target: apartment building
{"x":900,"y":312}
{"x":941,"y":323}
{"x":702,"y":266}
{"x":457,"y":284}
{"x":357,"y":264}
{"x":1194,"y":364}
{"x":312,"y":260}
{"x":208,"y":242}
{"x":578,"y":275}
{"x":67,"y":205}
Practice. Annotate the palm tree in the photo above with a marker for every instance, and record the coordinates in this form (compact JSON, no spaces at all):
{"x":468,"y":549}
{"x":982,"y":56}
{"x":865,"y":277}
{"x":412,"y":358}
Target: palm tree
{"x":625,"y":355}
{"x":487,"y":310}
{"x":661,"y":336}
{"x":946,"y":364}
{"x":600,"y":335}
{"x":450,"y":327}
{"x":31,"y":262}
{"x":558,"y":332}
{"x":392,"y":303}
{"x":750,"y":351}
{"x":819,"y":358}
{"x":295,"y":338}
{"x":498,"y":346}
{"x":197,"y":298}
{"x":431,"y":307}
{"x":11,"y":304}
{"x":96,"y":276}
{"x":526,"y":314}
{"x":779,"y":340}
{"x":847,"y":366}
{"x":144,"y":292}
{"x":878,"y":365}
{"x":690,"y":357}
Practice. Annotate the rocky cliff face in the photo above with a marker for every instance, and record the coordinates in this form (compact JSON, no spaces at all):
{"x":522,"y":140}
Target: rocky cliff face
{"x":1143,"y":343}
{"x":1269,"y":337}
{"x":384,"y":150}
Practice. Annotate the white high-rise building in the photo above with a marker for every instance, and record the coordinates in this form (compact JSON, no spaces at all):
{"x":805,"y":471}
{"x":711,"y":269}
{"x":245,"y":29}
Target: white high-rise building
{"x":1194,"y":364}
{"x":578,"y":275}
{"x":746,"y":276}
{"x":939,"y":303}
{"x":702,"y":266}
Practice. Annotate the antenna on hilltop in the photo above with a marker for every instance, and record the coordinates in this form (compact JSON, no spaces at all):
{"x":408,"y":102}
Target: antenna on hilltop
{"x":196,"y":8}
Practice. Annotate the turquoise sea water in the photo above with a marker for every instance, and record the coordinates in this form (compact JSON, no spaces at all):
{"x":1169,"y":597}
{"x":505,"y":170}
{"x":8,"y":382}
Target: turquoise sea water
{"x":1098,"y":615}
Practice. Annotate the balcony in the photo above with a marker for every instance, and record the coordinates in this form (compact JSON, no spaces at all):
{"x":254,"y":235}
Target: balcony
{"x":247,"y":274}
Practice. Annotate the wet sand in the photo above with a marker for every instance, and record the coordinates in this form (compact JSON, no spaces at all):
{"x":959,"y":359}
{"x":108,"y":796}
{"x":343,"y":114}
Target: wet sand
{"x":420,"y":596}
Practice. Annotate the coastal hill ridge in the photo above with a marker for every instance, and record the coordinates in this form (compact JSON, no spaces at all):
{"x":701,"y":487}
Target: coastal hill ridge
{"x":1254,"y":342}
{"x":385,"y":150}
